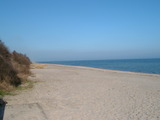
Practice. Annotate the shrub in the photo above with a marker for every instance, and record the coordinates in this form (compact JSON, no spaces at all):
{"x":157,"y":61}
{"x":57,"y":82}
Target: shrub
{"x":4,"y":52}
{"x":21,"y":63}
{"x":21,"y":58}
{"x":7,"y":73}
{"x":14,"y":68}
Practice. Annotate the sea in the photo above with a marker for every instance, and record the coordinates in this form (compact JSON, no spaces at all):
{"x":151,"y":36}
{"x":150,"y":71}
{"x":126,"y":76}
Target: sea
{"x":131,"y":65}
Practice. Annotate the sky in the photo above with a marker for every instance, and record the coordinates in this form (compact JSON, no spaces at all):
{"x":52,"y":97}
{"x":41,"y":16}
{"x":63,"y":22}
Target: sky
{"x":57,"y":30}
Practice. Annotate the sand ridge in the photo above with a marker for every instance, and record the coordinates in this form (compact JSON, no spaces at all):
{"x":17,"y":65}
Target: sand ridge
{"x":82,"y":93}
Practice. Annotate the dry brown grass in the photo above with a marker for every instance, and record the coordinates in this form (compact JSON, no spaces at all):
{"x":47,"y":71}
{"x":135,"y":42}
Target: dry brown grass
{"x":5,"y":86}
{"x":4,"y":52}
{"x":14,"y":68}
{"x":8,"y":74}
{"x":21,"y":63}
{"x":38,"y":66}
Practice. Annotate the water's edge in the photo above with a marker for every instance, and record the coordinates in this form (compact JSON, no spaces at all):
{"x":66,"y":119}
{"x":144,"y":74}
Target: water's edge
{"x":132,"y":65}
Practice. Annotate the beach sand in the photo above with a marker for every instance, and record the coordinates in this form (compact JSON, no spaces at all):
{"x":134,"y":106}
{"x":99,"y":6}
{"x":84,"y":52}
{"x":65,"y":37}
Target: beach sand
{"x":82,"y":93}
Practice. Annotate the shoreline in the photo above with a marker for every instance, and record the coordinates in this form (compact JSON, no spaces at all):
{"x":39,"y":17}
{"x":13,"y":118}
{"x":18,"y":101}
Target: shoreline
{"x":149,"y":66}
{"x":74,"y":93}
{"x":103,"y":69}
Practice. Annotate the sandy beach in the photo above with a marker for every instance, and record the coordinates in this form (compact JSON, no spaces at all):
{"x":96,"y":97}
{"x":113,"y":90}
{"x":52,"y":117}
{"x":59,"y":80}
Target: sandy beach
{"x":81,"y":93}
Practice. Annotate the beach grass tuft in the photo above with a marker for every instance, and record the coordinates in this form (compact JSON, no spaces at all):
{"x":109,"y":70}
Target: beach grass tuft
{"x":37,"y":66}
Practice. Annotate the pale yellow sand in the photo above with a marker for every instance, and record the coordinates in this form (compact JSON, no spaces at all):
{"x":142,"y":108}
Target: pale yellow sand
{"x":81,"y":93}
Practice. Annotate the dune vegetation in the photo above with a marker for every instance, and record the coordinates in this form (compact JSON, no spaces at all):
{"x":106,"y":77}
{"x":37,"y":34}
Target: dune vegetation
{"x":14,"y":68}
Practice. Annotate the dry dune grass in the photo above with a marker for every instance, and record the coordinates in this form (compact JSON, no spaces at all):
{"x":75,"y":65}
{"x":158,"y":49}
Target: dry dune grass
{"x":14,"y":68}
{"x":38,"y":66}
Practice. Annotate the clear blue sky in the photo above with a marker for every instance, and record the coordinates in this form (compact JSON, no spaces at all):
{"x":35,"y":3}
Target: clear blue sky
{"x":49,"y":30}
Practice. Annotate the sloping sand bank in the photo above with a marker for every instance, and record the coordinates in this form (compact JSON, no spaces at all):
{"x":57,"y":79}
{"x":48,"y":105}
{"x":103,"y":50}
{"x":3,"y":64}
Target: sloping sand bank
{"x":81,"y":93}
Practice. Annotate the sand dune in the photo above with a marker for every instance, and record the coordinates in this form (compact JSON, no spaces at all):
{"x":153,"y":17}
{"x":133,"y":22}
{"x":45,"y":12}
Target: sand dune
{"x":81,"y":93}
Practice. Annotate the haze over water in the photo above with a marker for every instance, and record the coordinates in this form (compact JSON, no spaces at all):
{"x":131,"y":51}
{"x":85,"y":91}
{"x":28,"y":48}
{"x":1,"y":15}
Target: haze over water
{"x":47,"y":30}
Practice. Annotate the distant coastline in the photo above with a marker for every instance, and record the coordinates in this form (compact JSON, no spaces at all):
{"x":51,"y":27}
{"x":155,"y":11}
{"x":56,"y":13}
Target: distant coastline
{"x":150,"y":65}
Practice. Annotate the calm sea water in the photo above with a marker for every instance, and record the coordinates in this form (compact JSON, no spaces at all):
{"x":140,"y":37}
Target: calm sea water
{"x":132,"y":65}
